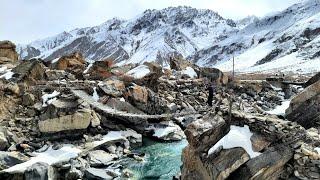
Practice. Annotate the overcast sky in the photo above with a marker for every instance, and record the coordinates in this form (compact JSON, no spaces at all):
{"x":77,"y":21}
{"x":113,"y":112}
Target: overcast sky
{"x":23,"y":21}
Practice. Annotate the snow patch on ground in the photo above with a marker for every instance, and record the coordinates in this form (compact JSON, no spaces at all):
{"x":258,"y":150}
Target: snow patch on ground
{"x":87,"y":69}
{"x":55,"y":60}
{"x":139,"y":71}
{"x":50,"y":156}
{"x":317,"y":149}
{"x":281,"y":109}
{"x":190,"y":72}
{"x":49,"y":98}
{"x":95,"y":95}
{"x":8,"y":75}
{"x":237,"y":137}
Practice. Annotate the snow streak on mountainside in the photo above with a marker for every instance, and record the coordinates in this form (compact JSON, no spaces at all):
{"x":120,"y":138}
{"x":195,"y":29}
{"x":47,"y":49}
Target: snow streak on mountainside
{"x":286,"y":41}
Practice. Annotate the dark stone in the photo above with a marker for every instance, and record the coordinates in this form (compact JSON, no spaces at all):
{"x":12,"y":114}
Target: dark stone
{"x":96,"y":174}
{"x":268,"y":165}
{"x":312,"y":80}
{"x":38,"y":171}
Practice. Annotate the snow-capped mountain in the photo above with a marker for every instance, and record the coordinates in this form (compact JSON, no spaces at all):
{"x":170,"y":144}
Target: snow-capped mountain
{"x":287,"y":40}
{"x":151,"y":36}
{"x":284,"y":41}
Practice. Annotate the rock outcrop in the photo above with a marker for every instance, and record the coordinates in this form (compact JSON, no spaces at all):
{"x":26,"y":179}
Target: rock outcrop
{"x":30,"y":71}
{"x":74,"y":63}
{"x":305,"y":107}
{"x":8,"y":52}
{"x":100,"y":70}
{"x":76,"y":121}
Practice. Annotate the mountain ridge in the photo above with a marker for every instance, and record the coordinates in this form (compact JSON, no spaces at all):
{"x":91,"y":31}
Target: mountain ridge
{"x":200,"y":35}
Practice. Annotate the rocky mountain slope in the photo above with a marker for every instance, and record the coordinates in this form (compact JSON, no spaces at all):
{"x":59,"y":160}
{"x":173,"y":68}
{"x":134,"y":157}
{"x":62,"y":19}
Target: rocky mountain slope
{"x":286,"y":41}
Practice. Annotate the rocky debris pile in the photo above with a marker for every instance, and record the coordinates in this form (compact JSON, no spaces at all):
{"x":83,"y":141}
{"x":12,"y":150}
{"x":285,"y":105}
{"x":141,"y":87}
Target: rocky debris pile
{"x":74,"y":120}
{"x":8,"y":52}
{"x":270,"y":148}
{"x":305,"y":107}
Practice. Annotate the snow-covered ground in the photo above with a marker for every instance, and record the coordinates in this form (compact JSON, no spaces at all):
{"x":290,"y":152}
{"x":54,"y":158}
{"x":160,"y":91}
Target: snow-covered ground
{"x":68,"y":151}
{"x":139,"y":71}
{"x":95,"y":95}
{"x":5,"y":73}
{"x":49,"y":98}
{"x":281,"y":109}
{"x":50,"y":157}
{"x":236,"y":137}
{"x":190,"y":72}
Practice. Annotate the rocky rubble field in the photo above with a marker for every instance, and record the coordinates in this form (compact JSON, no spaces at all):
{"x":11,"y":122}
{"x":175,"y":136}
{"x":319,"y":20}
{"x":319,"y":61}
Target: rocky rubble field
{"x":69,"y":119}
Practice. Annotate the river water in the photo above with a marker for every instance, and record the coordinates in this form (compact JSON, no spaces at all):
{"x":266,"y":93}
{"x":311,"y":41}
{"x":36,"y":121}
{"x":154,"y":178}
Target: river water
{"x":162,"y":160}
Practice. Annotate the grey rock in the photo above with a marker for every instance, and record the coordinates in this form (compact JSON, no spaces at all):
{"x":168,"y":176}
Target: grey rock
{"x":96,"y":174}
{"x":40,"y":171}
{"x":100,"y":157}
{"x":8,"y":159}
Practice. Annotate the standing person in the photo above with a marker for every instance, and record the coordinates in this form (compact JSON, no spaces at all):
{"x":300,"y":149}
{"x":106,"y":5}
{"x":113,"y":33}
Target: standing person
{"x":211,"y":89}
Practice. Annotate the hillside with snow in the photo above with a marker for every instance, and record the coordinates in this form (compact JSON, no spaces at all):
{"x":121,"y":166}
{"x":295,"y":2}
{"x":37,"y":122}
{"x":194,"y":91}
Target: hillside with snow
{"x":283,"y":41}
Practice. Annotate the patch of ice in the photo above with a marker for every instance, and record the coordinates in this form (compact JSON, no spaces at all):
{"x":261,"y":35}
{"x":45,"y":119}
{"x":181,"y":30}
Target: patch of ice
{"x":190,"y":72}
{"x":281,"y":109}
{"x":237,"y":137}
{"x":139,"y":71}
{"x":95,"y":95}
{"x":49,"y":98}
{"x":50,"y":156}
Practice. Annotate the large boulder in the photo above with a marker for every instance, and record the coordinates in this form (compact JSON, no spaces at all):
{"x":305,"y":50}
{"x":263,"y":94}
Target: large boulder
{"x":79,"y":120}
{"x":178,"y":63}
{"x":113,"y":88}
{"x":146,"y":74}
{"x":54,"y":74}
{"x":268,"y":165}
{"x":40,"y":171}
{"x":30,"y":71}
{"x":8,"y":50}
{"x":3,"y":139}
{"x":312,"y":80}
{"x":137,"y":94}
{"x":305,"y":107}
{"x":100,"y":158}
{"x":145,"y":99}
{"x":166,"y":131}
{"x":74,"y":63}
{"x":214,"y":75}
{"x":100,"y":70}
{"x":122,"y":106}
{"x":97,"y":174}
{"x":9,"y":159}
{"x":205,"y":132}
